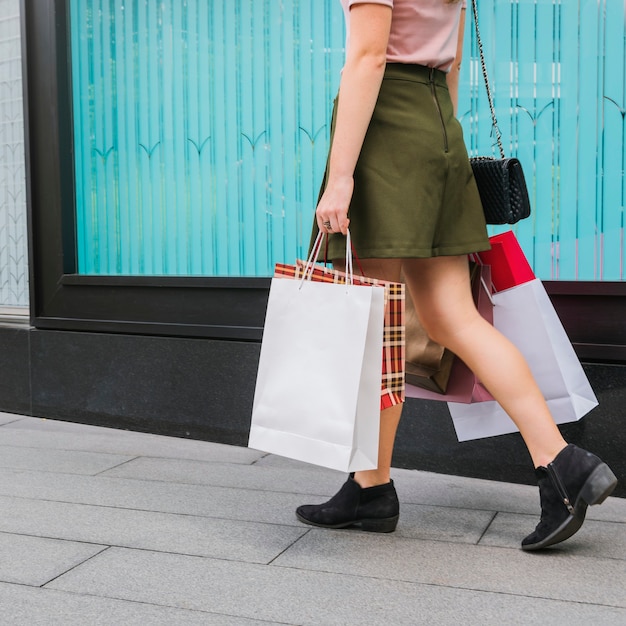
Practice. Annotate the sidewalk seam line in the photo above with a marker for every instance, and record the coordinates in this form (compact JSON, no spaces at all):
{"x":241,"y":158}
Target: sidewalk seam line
{"x":293,"y":543}
{"x":493,"y":517}
{"x":104,"y":549}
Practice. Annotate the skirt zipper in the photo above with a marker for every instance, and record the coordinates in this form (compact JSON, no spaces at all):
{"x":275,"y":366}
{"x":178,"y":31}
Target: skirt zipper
{"x":436,"y":101}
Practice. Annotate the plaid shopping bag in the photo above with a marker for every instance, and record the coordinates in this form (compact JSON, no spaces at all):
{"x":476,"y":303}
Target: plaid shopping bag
{"x":392,"y":387}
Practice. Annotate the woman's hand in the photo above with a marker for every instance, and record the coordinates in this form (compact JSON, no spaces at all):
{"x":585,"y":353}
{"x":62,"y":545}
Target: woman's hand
{"x":332,"y":209}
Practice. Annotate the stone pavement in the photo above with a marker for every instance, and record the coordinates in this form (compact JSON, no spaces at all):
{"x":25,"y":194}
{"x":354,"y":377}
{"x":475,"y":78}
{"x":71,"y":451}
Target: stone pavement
{"x":102,"y":526}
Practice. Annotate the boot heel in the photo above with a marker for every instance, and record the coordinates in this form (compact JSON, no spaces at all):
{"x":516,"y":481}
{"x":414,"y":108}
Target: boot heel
{"x":599,"y":486}
{"x":386,"y":525}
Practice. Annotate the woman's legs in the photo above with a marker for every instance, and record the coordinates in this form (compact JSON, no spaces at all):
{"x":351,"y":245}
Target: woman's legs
{"x":440,"y":288}
{"x":389,"y":420}
{"x":569,"y":478}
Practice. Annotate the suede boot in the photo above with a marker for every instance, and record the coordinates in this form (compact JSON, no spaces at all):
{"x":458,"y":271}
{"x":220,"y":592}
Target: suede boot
{"x":374,"y":509}
{"x":574,"y":480}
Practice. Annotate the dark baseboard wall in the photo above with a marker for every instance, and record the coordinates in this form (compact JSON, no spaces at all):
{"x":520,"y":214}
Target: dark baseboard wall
{"x":203,"y":389}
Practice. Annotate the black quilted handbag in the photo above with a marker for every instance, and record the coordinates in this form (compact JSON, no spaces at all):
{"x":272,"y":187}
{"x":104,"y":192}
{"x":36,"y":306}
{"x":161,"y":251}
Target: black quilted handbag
{"x":501,"y":183}
{"x":502,"y":188}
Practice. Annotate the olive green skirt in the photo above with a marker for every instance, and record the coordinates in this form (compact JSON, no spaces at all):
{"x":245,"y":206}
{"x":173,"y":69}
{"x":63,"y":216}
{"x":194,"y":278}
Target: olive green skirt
{"x":414,"y":191}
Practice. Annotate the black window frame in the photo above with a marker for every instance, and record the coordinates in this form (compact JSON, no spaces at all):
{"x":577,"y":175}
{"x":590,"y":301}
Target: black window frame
{"x":229,"y":308}
{"x":593,"y":313}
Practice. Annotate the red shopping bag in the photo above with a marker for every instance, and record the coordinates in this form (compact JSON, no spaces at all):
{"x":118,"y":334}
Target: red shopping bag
{"x":509,"y":266}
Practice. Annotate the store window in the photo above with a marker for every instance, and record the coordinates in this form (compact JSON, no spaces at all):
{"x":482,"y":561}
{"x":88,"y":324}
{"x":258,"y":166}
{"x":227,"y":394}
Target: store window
{"x":559,"y":76}
{"x":201,"y":132}
{"x":201,"y":129}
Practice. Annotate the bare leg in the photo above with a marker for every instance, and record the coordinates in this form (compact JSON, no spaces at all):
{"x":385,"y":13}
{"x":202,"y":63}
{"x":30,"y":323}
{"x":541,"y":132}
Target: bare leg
{"x":389,"y":420}
{"x":575,"y":478}
{"x":383,"y":269}
{"x":440,"y":289}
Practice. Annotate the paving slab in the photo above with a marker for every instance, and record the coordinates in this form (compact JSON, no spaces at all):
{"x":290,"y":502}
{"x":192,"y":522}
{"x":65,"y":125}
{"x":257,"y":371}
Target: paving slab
{"x":595,"y":539}
{"x":306,"y":479}
{"x":59,"y":461}
{"x":559,"y":575}
{"x":206,"y":533}
{"x":459,"y":491}
{"x":199,"y":500}
{"x":297,"y":596}
{"x":442,"y":523}
{"x":425,"y":522}
{"x":50,"y":434}
{"x":36,"y":561}
{"x":27,"y":606}
{"x":435,"y":489}
{"x":185,"y":534}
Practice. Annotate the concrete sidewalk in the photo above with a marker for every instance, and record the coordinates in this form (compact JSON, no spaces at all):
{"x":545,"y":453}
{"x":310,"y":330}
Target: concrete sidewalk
{"x":100,"y":526}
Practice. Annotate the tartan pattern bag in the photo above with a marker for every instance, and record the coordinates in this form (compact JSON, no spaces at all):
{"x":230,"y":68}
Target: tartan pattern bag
{"x":392,"y":387}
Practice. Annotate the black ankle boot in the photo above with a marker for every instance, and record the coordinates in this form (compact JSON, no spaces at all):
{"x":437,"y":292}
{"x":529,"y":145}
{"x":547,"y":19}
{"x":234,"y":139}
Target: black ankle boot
{"x":575,"y":479}
{"x":375,"y":509}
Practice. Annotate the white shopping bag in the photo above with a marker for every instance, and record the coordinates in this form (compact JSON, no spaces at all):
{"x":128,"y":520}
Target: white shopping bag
{"x":317,"y":396}
{"x":526,"y":316}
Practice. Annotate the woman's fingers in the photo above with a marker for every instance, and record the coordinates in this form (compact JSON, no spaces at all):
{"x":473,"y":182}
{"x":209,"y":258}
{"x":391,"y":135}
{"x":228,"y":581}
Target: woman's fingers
{"x":333,"y":224}
{"x":332,"y":210}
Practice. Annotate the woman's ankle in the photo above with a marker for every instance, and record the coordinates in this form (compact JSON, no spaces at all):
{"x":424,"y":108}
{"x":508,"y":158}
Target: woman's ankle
{"x":545,"y":457}
{"x":372,"y":478}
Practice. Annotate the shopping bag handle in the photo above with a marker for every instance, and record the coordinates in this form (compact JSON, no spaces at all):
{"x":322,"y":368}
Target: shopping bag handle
{"x":315,"y":251}
{"x":489,"y":289}
{"x":354,"y":255}
{"x":349,"y":242}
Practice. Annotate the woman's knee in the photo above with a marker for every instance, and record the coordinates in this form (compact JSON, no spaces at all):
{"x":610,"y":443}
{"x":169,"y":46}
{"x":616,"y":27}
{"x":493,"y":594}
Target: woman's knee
{"x":442,"y":326}
{"x":441,"y":292}
{"x":436,"y":329}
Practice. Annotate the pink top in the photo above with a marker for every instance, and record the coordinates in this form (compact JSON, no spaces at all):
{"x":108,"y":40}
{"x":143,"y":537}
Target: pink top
{"x":422,"y":31}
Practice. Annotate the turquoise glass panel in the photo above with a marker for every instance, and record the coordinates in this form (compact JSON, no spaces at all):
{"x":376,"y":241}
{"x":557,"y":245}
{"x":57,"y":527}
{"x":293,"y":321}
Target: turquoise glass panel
{"x":558,"y":75}
{"x":201,"y":129}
